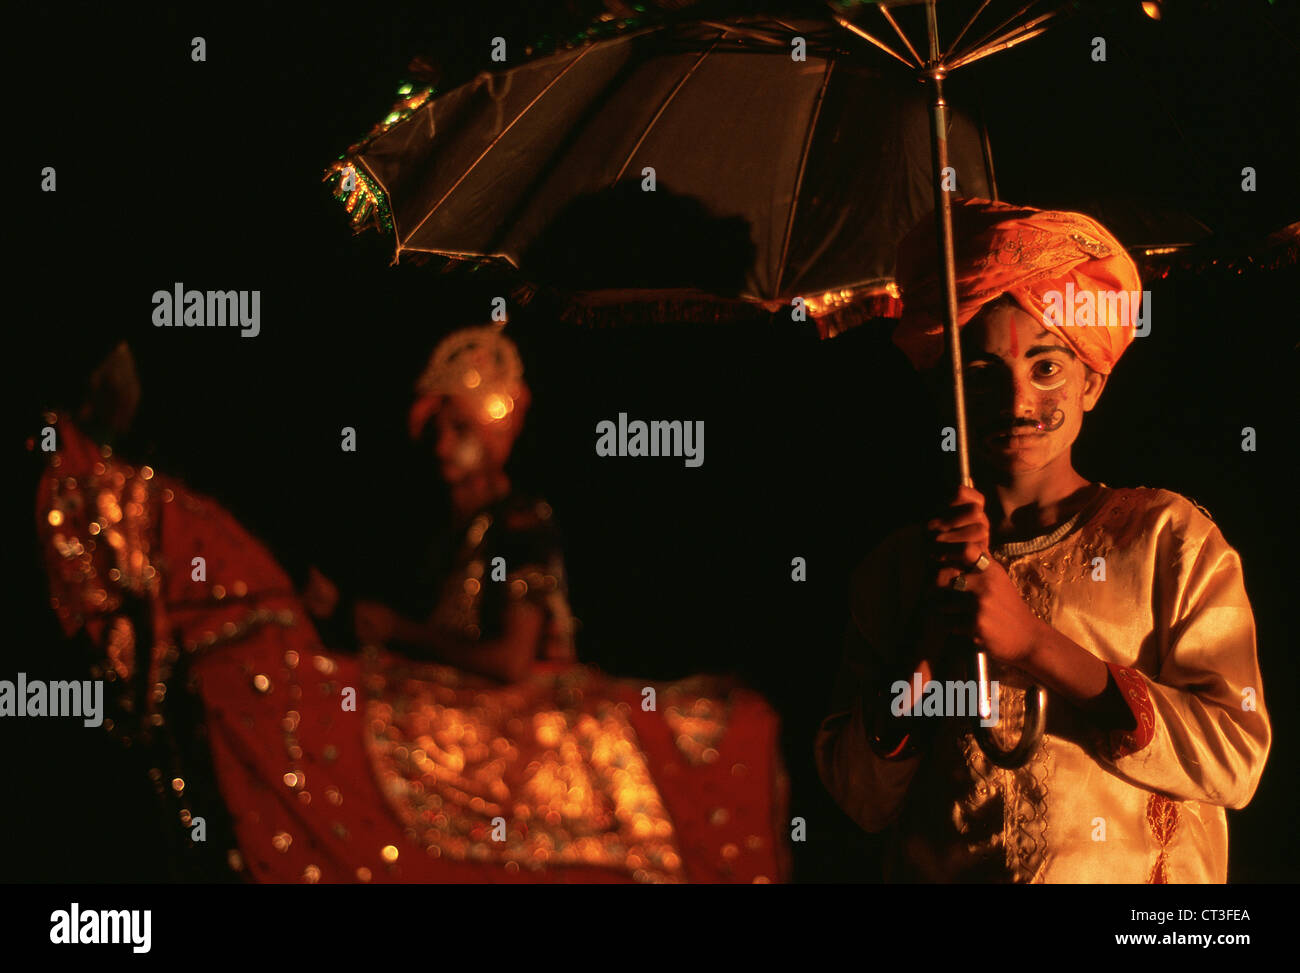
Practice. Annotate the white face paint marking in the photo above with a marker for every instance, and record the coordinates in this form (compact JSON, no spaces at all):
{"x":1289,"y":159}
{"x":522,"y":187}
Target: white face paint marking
{"x":1048,"y":383}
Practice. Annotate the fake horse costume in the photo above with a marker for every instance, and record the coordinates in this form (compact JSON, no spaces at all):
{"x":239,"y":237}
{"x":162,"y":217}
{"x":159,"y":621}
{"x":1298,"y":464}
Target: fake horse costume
{"x":375,"y":767}
{"x":1170,"y":618}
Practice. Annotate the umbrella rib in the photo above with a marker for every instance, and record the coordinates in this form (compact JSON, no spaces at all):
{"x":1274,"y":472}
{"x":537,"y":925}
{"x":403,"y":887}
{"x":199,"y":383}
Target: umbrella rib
{"x":884,"y":11}
{"x":1019,"y":13}
{"x":798,"y":179}
{"x":1001,"y":44}
{"x":664,"y":107}
{"x":491,"y":145}
{"x":1024,"y":28}
{"x":466,"y":255}
{"x":854,"y":28}
{"x":969,"y":24}
{"x":754,"y":33}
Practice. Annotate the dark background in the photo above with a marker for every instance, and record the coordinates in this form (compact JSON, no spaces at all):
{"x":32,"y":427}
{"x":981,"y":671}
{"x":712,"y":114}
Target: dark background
{"x":210,"y":174}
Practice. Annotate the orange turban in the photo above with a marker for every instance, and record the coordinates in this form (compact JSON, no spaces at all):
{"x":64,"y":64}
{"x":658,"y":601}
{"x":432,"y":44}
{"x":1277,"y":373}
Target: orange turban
{"x":1030,"y":255}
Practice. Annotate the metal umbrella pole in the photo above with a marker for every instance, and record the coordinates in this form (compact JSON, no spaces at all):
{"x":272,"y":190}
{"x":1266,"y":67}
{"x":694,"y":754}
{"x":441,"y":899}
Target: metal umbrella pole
{"x":934,"y":69}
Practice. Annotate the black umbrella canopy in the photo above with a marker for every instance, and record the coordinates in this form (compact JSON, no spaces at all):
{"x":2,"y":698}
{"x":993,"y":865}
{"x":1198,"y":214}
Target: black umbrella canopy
{"x":785,"y":162}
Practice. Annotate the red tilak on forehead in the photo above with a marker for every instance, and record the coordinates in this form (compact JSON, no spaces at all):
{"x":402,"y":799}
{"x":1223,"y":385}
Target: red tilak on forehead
{"x":1015,"y":342}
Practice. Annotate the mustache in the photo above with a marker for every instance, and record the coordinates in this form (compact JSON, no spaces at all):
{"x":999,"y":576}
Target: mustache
{"x":1018,"y":426}
{"x":1005,"y":425}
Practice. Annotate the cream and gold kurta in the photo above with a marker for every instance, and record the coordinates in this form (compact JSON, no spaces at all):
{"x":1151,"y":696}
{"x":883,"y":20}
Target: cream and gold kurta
{"x":1144,"y":580}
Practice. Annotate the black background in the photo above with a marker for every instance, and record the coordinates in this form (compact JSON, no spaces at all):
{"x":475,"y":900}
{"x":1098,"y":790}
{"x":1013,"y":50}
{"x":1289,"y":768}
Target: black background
{"x":210,"y":174}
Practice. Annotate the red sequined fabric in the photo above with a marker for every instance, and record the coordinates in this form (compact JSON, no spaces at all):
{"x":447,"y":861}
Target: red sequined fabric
{"x":339,"y":768}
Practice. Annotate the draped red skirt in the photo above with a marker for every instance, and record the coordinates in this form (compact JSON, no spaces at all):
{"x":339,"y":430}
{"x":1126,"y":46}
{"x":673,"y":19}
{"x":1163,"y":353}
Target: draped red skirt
{"x":374,"y":768}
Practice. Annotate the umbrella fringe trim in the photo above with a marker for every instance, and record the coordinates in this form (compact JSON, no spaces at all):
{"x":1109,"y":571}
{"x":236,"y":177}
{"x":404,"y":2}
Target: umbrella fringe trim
{"x":410,"y":98}
{"x":366,"y":203}
{"x":703,"y":309}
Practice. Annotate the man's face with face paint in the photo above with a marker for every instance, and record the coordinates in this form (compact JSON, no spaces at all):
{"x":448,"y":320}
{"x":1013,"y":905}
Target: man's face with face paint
{"x":1026,"y":392}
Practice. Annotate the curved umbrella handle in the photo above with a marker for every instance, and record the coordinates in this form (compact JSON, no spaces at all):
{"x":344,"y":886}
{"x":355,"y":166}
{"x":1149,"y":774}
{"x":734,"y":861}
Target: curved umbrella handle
{"x":1030,"y":734}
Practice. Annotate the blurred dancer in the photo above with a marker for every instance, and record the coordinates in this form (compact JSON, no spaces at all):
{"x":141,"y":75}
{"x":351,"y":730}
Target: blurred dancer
{"x":503,"y":601}
{"x":479,"y":752}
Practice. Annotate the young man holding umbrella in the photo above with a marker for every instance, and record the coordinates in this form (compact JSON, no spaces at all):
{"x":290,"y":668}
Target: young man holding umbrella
{"x":1127,"y":605}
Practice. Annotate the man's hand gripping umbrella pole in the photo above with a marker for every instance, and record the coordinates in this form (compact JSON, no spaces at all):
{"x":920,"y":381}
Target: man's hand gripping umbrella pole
{"x":1035,"y":696}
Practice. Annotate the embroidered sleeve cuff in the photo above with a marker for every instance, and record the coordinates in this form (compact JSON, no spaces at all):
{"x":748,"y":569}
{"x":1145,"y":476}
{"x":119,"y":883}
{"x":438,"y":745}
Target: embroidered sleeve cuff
{"x":1133,"y":690}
